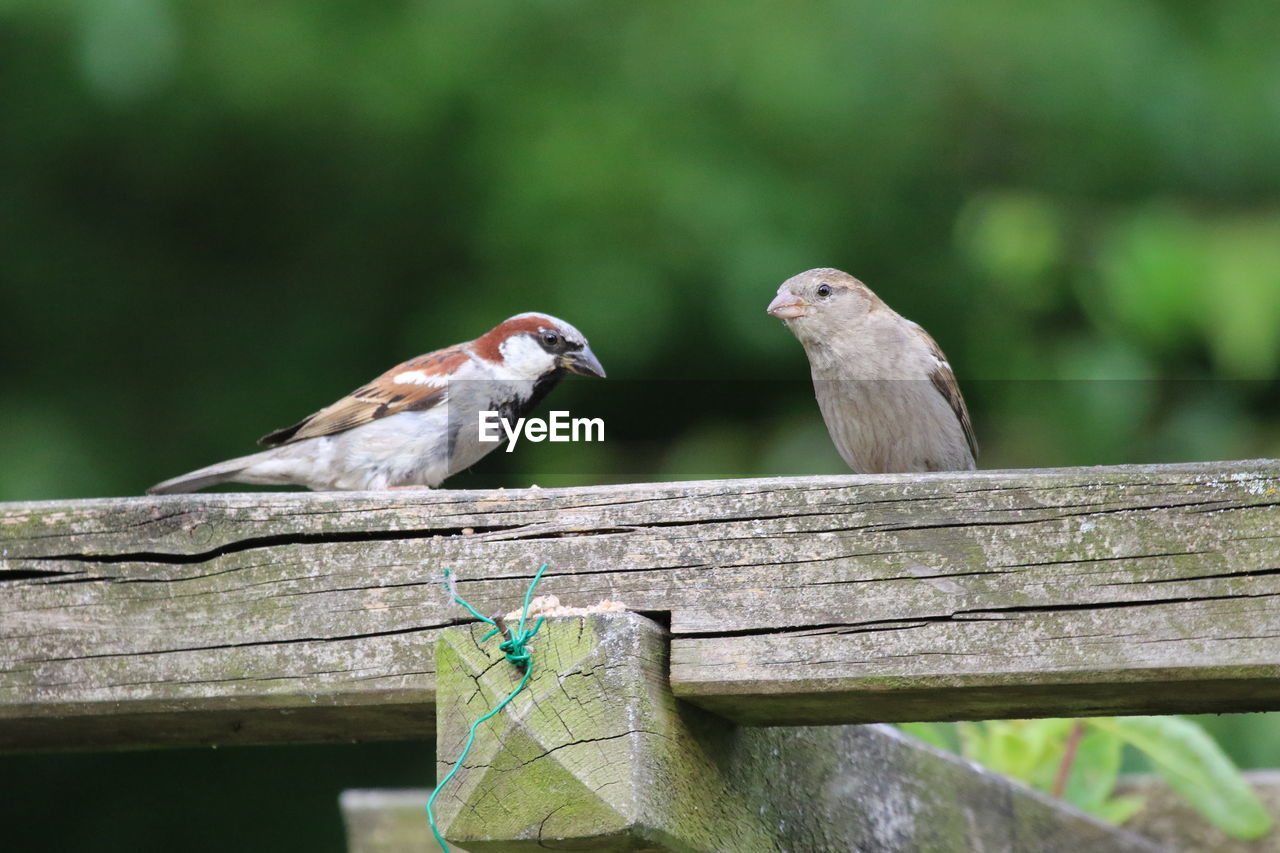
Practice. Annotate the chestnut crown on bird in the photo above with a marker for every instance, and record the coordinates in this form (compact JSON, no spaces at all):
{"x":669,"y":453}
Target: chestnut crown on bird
{"x":887,"y":393}
{"x":416,"y":424}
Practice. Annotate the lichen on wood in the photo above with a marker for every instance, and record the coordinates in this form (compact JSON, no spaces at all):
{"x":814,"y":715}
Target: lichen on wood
{"x":244,"y":618}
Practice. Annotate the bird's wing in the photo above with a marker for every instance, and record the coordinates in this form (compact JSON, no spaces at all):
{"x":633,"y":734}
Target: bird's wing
{"x":417,"y":384}
{"x":944,"y":379}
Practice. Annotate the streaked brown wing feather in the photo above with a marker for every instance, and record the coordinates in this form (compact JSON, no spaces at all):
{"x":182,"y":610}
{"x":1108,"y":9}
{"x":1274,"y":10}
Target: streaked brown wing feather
{"x":944,"y":379}
{"x":379,"y":398}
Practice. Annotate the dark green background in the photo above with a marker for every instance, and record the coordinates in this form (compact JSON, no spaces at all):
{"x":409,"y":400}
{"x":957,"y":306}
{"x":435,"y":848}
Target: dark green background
{"x":218,"y":217}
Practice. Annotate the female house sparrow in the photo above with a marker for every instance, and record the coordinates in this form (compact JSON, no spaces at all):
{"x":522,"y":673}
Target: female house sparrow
{"x":417,"y":423}
{"x":886,"y":391}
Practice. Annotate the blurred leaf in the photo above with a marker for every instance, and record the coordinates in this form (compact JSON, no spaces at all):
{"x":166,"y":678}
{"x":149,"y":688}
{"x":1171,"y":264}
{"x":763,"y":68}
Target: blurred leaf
{"x":1152,"y":273}
{"x":1184,"y":755}
{"x":129,"y":48}
{"x":1242,"y":316}
{"x":972,"y":737}
{"x":1026,"y":750}
{"x":1119,"y":809}
{"x":1016,"y":239}
{"x":1031,"y":748}
{"x":1094,"y":772}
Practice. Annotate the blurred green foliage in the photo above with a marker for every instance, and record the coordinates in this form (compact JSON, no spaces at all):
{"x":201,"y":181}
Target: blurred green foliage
{"x":1080,"y":761}
{"x":218,"y":217}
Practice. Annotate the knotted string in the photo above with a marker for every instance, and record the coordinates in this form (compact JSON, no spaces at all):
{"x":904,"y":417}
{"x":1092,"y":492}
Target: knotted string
{"x":515,"y":647}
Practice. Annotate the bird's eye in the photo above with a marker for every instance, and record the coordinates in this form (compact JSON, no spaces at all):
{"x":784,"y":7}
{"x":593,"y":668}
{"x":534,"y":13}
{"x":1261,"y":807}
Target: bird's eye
{"x":550,"y":338}
{"x":824,"y":291}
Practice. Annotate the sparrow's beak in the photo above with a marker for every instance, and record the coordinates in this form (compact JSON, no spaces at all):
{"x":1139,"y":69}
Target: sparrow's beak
{"x":582,"y":361}
{"x":788,"y":306}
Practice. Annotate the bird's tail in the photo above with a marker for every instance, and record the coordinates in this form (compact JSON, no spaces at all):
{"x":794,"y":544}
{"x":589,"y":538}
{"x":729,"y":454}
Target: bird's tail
{"x":230,"y":471}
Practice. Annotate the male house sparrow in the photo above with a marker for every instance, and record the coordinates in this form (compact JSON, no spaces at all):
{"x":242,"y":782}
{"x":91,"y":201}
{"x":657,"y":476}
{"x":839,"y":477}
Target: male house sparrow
{"x":417,"y":423}
{"x":886,"y":391}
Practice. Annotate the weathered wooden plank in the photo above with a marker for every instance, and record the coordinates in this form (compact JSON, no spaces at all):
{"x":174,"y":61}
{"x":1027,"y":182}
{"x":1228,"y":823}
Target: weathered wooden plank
{"x":390,"y":821}
{"x":1172,"y":657}
{"x":828,"y":599}
{"x":596,"y":754}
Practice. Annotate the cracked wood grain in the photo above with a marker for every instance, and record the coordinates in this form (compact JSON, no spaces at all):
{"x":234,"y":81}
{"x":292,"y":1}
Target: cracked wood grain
{"x":597,"y":754}
{"x":236,"y":618}
{"x":390,"y":820}
{"x":594,"y":754}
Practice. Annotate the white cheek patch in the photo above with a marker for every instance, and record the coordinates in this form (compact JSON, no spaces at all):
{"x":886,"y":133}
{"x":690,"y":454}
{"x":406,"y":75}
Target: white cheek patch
{"x":525,"y":357}
{"x":417,"y":377}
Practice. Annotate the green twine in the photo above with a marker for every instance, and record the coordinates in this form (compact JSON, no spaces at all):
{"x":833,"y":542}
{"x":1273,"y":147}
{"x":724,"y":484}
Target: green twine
{"x":517,"y":652}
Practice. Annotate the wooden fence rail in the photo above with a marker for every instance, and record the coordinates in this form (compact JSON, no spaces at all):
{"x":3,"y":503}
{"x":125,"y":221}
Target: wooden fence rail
{"x":248,"y":618}
{"x":291,"y":618}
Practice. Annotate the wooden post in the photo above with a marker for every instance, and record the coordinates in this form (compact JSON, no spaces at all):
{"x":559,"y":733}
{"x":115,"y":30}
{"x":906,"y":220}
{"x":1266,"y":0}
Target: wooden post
{"x":594,"y":752}
{"x":597,"y":754}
